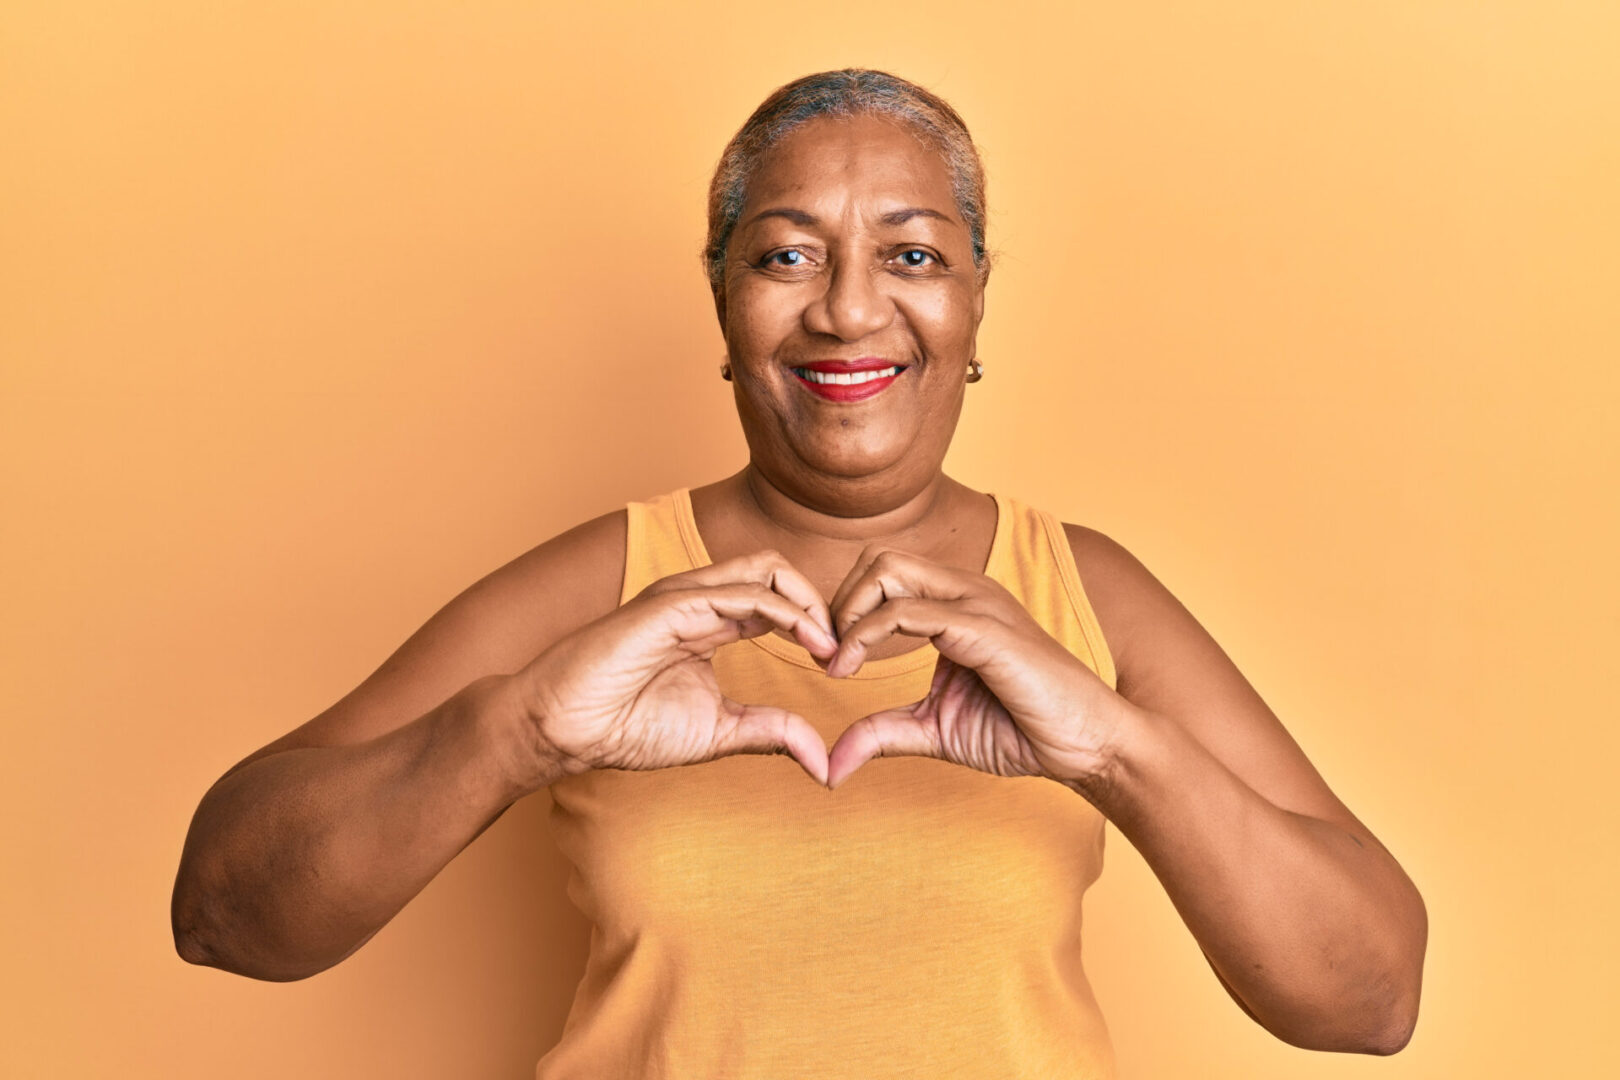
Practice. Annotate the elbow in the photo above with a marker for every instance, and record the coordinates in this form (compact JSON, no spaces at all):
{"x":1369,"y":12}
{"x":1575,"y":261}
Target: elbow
{"x":1388,"y":1026}
{"x":1386,"y":1031}
{"x":192,"y":950}
{"x":1385,"y":1011}
{"x":1400,"y":1013}
{"x":195,"y":948}
{"x":1393,"y":1039}
{"x":186,"y":923}
{"x":1379,"y":1024}
{"x":1374,"y":1011}
{"x":1403,"y":989}
{"x":193,"y":929}
{"x":1381,"y":1018}
{"x":202,"y":937}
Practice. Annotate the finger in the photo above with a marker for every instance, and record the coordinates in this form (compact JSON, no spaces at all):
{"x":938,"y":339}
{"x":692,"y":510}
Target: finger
{"x":765,"y":729}
{"x":891,"y":733}
{"x":863,"y":563}
{"x":741,"y":601}
{"x":768,"y":568}
{"x":720,"y":614}
{"x":889,"y":575}
{"x":966,"y":637}
{"x":787,"y":580}
{"x":726,"y":572}
{"x":750,"y":628}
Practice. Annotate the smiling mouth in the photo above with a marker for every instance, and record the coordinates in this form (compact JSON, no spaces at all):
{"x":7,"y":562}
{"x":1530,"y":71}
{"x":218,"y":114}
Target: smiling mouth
{"x":847,"y":378}
{"x":847,"y":386}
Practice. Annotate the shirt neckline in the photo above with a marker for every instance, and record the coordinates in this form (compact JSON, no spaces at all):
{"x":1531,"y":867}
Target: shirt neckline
{"x":796,"y":654}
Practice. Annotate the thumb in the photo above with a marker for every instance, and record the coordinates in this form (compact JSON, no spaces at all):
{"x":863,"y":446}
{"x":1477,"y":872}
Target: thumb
{"x":891,"y":733}
{"x":765,"y":729}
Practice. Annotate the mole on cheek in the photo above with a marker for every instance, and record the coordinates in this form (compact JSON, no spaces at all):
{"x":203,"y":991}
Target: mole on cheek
{"x":844,"y":422}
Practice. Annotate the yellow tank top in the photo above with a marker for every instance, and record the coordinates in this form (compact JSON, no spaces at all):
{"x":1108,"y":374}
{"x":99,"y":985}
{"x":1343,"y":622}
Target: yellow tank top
{"x":923,"y":920}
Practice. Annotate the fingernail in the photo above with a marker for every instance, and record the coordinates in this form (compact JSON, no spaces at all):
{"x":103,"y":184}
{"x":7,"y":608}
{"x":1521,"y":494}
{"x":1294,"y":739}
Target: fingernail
{"x":843,"y":657}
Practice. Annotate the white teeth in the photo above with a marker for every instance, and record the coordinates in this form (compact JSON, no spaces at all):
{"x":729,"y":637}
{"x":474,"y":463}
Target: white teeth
{"x":852,"y":378}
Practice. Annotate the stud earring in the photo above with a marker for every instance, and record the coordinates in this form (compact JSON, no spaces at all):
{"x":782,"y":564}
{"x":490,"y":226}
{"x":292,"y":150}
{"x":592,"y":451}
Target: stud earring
{"x":975,"y":370}
{"x":725,"y":370}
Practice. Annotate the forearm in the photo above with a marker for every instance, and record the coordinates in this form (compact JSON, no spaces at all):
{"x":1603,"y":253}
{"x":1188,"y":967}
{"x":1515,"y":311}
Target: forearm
{"x":295,"y":860}
{"x":1316,"y":930}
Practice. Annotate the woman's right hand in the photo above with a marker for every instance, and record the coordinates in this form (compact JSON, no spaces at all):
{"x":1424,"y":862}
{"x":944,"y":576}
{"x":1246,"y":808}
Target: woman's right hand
{"x":635,"y":689}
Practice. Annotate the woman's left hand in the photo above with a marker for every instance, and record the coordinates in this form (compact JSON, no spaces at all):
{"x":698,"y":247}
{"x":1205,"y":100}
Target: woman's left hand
{"x":1007,"y":698}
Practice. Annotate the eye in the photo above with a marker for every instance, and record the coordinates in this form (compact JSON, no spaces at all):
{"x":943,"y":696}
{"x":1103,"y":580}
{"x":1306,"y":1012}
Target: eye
{"x":788,"y":257}
{"x":916,"y":258}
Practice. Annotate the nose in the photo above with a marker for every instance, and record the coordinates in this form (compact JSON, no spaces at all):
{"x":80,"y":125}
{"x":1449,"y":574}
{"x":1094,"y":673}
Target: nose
{"x":852,"y":307}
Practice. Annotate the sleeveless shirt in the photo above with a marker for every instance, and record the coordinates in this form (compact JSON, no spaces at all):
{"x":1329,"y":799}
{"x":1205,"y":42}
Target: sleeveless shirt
{"x":922,"y":920}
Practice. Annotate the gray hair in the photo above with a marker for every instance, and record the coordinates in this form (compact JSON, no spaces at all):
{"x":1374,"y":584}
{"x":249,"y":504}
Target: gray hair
{"x":845,"y":93}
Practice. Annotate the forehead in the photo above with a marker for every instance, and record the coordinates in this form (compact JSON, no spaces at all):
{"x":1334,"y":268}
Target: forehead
{"x":831,"y":161}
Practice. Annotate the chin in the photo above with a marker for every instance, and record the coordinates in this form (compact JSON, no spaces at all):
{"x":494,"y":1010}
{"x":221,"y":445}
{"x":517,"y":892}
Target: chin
{"x":854,"y":462}
{"x":836,"y":456}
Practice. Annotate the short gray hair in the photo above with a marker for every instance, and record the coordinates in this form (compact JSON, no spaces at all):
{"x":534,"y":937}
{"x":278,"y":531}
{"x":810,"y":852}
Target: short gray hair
{"x":844,"y":93}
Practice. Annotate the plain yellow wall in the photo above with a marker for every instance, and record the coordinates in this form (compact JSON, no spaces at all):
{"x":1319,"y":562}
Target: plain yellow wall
{"x":311,"y":314}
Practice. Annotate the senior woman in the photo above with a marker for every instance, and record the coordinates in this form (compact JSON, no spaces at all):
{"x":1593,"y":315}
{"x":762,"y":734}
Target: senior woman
{"x":917,"y":915}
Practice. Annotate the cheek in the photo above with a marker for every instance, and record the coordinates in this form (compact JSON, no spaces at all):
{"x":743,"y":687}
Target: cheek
{"x":758,"y":319}
{"x":945,"y":323}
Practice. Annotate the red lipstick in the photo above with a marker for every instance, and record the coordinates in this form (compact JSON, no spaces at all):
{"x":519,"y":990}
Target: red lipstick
{"x":848,"y":380}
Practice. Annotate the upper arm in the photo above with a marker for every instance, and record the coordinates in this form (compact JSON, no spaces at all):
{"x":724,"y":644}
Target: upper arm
{"x":1169,"y":665}
{"x":495,"y":626}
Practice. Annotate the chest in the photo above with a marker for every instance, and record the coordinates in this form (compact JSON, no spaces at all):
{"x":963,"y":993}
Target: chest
{"x":747,"y":853}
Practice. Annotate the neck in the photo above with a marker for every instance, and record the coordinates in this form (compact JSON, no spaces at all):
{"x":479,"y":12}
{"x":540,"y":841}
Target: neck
{"x":877,"y":519}
{"x":939,"y":519}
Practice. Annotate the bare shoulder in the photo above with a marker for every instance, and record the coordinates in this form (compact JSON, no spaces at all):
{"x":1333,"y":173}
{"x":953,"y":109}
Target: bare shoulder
{"x":549,"y":590}
{"x":493,"y":627}
{"x":1120,"y":589}
{"x":1170,"y":665}
{"x":1150,"y":633}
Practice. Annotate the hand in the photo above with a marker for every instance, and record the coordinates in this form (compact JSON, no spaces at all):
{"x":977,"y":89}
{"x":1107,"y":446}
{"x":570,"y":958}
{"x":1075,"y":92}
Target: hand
{"x":636,"y":690}
{"x":1007,"y":698}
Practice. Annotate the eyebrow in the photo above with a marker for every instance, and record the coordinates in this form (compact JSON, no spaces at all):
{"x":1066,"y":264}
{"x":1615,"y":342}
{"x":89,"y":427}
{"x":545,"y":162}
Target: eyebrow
{"x":806,"y":220}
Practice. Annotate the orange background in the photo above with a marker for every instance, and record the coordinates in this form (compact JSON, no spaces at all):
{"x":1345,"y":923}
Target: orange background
{"x":311,"y":316}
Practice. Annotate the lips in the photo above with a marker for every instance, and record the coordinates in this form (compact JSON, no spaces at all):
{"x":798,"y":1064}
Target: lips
{"x":848,"y":380}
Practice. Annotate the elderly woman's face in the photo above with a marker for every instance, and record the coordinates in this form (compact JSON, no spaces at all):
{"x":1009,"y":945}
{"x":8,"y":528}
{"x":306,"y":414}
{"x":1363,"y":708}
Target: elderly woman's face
{"x":850,"y":253}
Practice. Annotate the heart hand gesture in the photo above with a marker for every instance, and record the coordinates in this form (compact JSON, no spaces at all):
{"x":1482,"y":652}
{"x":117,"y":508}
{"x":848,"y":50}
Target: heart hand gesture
{"x":636,"y":690}
{"x":1006,"y":699}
